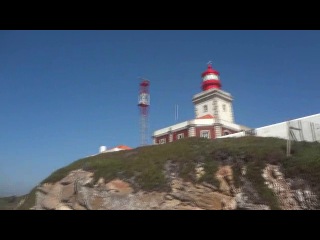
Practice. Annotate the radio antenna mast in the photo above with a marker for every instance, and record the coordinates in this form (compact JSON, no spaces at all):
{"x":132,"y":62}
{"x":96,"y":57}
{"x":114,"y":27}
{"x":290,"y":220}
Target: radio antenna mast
{"x":144,"y":103}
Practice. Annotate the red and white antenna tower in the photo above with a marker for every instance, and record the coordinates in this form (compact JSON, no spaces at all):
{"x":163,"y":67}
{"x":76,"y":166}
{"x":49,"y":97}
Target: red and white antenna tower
{"x":144,"y":103}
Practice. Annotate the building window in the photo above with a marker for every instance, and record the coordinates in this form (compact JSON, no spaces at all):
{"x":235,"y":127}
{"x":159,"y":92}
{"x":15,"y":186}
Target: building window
{"x":224,"y":107}
{"x":226,"y":132}
{"x":205,"y":108}
{"x":180,"y":135}
{"x":205,"y":134}
{"x":162,"y":141}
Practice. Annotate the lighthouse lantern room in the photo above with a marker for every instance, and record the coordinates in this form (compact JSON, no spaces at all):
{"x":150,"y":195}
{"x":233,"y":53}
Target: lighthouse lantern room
{"x":210,"y":78}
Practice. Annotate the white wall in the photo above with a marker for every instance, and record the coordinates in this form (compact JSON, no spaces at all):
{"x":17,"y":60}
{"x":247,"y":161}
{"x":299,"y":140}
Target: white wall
{"x":239,"y":134}
{"x":309,"y":125}
{"x":199,"y":108}
{"x":309,"y":131}
{"x":233,"y":126}
{"x":226,"y":115}
{"x":276,"y":130}
{"x":185,"y":124}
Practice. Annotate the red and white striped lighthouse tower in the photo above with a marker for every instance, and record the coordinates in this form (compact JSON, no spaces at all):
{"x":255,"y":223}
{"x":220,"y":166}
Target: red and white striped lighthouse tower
{"x":210,"y":78}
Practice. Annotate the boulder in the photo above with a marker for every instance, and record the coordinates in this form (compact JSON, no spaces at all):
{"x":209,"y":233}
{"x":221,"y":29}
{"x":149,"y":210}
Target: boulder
{"x":77,"y":206}
{"x":96,"y":202}
{"x":55,"y":191}
{"x":120,"y":187}
{"x":63,"y":207}
{"x":67,"y":192}
{"x":68,"y":179}
{"x":170,"y":204}
{"x":50,"y":203}
{"x":225,"y":177}
{"x":45,"y":188}
{"x":100,"y":182}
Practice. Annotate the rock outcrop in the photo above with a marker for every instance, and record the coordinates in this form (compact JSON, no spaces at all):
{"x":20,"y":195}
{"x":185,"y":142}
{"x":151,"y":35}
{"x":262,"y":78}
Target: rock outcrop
{"x":288,"y":197}
{"x":78,"y":191}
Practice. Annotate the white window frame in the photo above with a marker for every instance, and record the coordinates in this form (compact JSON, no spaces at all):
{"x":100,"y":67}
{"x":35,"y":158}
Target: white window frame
{"x":205,"y":131}
{"x":205,"y":108}
{"x":180,"y":135}
{"x":162,"y":140}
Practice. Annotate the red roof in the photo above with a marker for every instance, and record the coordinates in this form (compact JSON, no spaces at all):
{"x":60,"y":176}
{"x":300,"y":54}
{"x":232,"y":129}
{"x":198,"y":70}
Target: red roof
{"x":123,"y":147}
{"x":208,"y":116}
{"x":209,"y":70}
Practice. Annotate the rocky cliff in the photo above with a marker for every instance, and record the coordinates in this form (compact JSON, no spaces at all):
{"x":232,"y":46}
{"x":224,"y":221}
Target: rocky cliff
{"x":191,"y":174}
{"x":78,"y":192}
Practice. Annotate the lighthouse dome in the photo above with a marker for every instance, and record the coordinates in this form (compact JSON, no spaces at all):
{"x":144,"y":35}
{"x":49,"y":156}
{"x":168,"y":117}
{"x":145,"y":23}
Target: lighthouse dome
{"x":210,"y":79}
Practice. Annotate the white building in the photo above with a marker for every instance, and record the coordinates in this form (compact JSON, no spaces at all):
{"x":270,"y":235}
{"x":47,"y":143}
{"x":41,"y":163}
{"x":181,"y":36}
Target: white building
{"x":300,"y":129}
{"x":103,"y":149}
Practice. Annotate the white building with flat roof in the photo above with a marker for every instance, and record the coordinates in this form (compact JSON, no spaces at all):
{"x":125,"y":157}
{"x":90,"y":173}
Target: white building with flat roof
{"x":300,"y":129}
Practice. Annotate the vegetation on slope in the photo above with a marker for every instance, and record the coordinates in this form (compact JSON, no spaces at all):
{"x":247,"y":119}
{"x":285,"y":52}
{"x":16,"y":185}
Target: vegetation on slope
{"x":304,"y":164}
{"x":29,"y":201}
{"x":10,"y":203}
{"x":144,"y":166}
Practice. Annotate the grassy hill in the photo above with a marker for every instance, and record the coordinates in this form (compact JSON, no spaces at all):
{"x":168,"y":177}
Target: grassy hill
{"x":10,"y":203}
{"x":144,"y":165}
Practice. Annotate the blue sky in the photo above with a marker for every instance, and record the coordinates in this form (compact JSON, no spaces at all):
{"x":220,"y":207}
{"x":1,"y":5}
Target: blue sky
{"x":65,"y":93}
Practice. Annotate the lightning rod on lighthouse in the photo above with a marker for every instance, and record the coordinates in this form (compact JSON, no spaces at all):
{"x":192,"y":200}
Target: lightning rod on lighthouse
{"x":144,"y":103}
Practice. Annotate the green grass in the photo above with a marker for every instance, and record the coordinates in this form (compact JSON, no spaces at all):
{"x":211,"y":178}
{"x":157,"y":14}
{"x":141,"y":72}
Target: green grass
{"x":210,"y":168}
{"x":305,"y":163}
{"x":254,"y":153}
{"x":146,"y":164}
{"x":254,"y":171}
{"x":9,"y":203}
{"x":30,"y":200}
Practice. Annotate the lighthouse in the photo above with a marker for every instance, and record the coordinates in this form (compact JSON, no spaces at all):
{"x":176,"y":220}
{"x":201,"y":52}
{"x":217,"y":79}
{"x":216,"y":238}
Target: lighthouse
{"x":213,"y":101}
{"x":213,"y":113}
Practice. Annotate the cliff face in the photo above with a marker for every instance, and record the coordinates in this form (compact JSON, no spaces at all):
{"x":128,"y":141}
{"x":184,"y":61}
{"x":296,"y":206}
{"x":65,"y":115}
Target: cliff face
{"x":77,"y":191}
{"x":192,"y":173}
{"x":288,"y":195}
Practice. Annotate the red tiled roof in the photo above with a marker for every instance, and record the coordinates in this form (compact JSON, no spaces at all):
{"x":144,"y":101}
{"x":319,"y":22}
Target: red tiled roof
{"x":123,"y":147}
{"x":208,"y":116}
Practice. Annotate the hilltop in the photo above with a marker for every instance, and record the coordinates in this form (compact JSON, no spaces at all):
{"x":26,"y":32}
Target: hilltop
{"x":192,"y":173}
{"x":11,"y":203}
